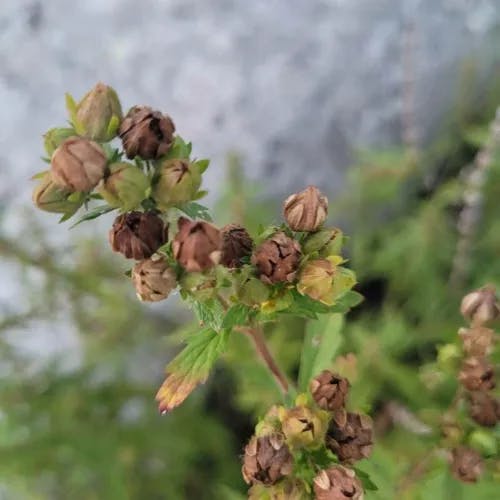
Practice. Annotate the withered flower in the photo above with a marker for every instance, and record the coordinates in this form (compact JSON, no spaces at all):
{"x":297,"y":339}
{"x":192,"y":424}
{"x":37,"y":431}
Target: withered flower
{"x":277,"y":259}
{"x":236,"y":244}
{"x":153,"y":279}
{"x":307,"y":210}
{"x":197,"y":245}
{"x":338,"y":483}
{"x":137,"y":235}
{"x":146,"y":133}
{"x":78,"y":164}
{"x":329,"y":390}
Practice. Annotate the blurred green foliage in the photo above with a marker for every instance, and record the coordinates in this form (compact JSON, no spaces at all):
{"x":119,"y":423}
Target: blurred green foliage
{"x":90,"y":430}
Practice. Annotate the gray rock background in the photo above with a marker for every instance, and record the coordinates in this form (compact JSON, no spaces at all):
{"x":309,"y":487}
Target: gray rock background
{"x":294,"y":85}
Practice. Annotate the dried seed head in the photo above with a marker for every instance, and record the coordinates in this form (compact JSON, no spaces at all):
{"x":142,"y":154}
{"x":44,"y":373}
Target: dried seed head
{"x":329,"y":390}
{"x":350,"y":436}
{"x":236,"y":245}
{"x":78,"y":165}
{"x":338,"y":483}
{"x":467,"y":464}
{"x":484,"y":408}
{"x":197,"y":245}
{"x":267,"y":459}
{"x":146,"y":133}
{"x":177,"y":181}
{"x":477,"y":374}
{"x":153,"y":279}
{"x":480,"y":307}
{"x":477,"y":341}
{"x":138,"y":235}
{"x":307,"y":210}
{"x":277,"y":259}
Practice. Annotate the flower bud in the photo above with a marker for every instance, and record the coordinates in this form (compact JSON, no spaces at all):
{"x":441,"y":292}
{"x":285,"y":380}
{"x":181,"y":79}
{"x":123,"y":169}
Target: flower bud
{"x":146,"y":133}
{"x":286,"y":489}
{"x":316,"y":280}
{"x":477,"y":341}
{"x":267,"y":459}
{"x":307,"y":210}
{"x":338,"y":483}
{"x":78,"y":164}
{"x":484,"y":409}
{"x":236,"y":245}
{"x":350,"y":436}
{"x":99,"y":113}
{"x":277,"y":259}
{"x":329,"y":390}
{"x":48,"y":196}
{"x":484,"y":441}
{"x":467,"y":464}
{"x":54,"y":137}
{"x":138,"y":235}
{"x":153,"y":279}
{"x":197,"y":245}
{"x":177,"y":181}
{"x":326,"y":242}
{"x":480,"y":307}
{"x":477,"y":374}
{"x":252,"y":292}
{"x":125,"y":186}
{"x":304,"y":427}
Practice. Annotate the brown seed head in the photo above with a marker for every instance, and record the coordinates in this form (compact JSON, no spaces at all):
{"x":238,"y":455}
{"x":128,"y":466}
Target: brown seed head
{"x":153,"y":279}
{"x":350,"y":436}
{"x":78,"y":164}
{"x":466,"y":465}
{"x":307,"y":210}
{"x":197,"y":245}
{"x":277,"y":259}
{"x":137,"y":235}
{"x":329,"y":390}
{"x":484,"y":408}
{"x":146,"y":133}
{"x":480,"y":307}
{"x":477,"y":374}
{"x":267,"y":459}
{"x":236,"y":244}
{"x":338,"y":483}
{"x":477,"y":341}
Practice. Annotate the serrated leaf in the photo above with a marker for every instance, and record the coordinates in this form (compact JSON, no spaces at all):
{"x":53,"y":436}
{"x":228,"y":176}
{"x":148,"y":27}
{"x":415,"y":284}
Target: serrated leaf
{"x":93,"y":214}
{"x":190,"y":367}
{"x":236,"y":315}
{"x":321,"y":342}
{"x":210,"y":313}
{"x":202,"y":164}
{"x":195,"y":211}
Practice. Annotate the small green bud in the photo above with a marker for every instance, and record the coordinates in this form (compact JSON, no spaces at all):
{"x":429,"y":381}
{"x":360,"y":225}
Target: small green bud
{"x":304,"y":427}
{"x":484,"y":442}
{"x":54,"y":137}
{"x":252,"y":292}
{"x":99,"y":114}
{"x":201,"y":286}
{"x":448,"y":355}
{"x":177,"y":182}
{"x":326,"y":242}
{"x":125,"y":186}
{"x":48,"y":196}
{"x":286,"y":489}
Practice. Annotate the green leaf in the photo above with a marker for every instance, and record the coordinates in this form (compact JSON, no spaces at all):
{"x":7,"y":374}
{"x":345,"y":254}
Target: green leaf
{"x":179,"y":149}
{"x":201,"y":194}
{"x":236,"y":315}
{"x":93,"y":214}
{"x":210,"y":313}
{"x":202,"y":164}
{"x":321,"y":342}
{"x":191,"y":367}
{"x":364,"y":477}
{"x":39,"y":175}
{"x":195,"y":211}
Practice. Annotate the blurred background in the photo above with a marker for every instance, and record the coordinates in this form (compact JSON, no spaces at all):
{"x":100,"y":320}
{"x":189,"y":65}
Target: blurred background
{"x":384,"y":105}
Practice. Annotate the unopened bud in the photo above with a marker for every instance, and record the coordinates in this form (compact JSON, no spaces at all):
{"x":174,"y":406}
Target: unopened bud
{"x":326,"y":242}
{"x":125,"y":186}
{"x":78,"y":164}
{"x":480,"y":307}
{"x":201,"y":286}
{"x":153,"y":279}
{"x":252,"y":292}
{"x":304,"y":427}
{"x":177,"y":181}
{"x":307,"y":210}
{"x":286,"y":489}
{"x":54,"y":137}
{"x":48,"y":196}
{"x":99,"y":113}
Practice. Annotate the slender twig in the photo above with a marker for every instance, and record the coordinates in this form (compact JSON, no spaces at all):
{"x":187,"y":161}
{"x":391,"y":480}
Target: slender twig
{"x":257,"y":336}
